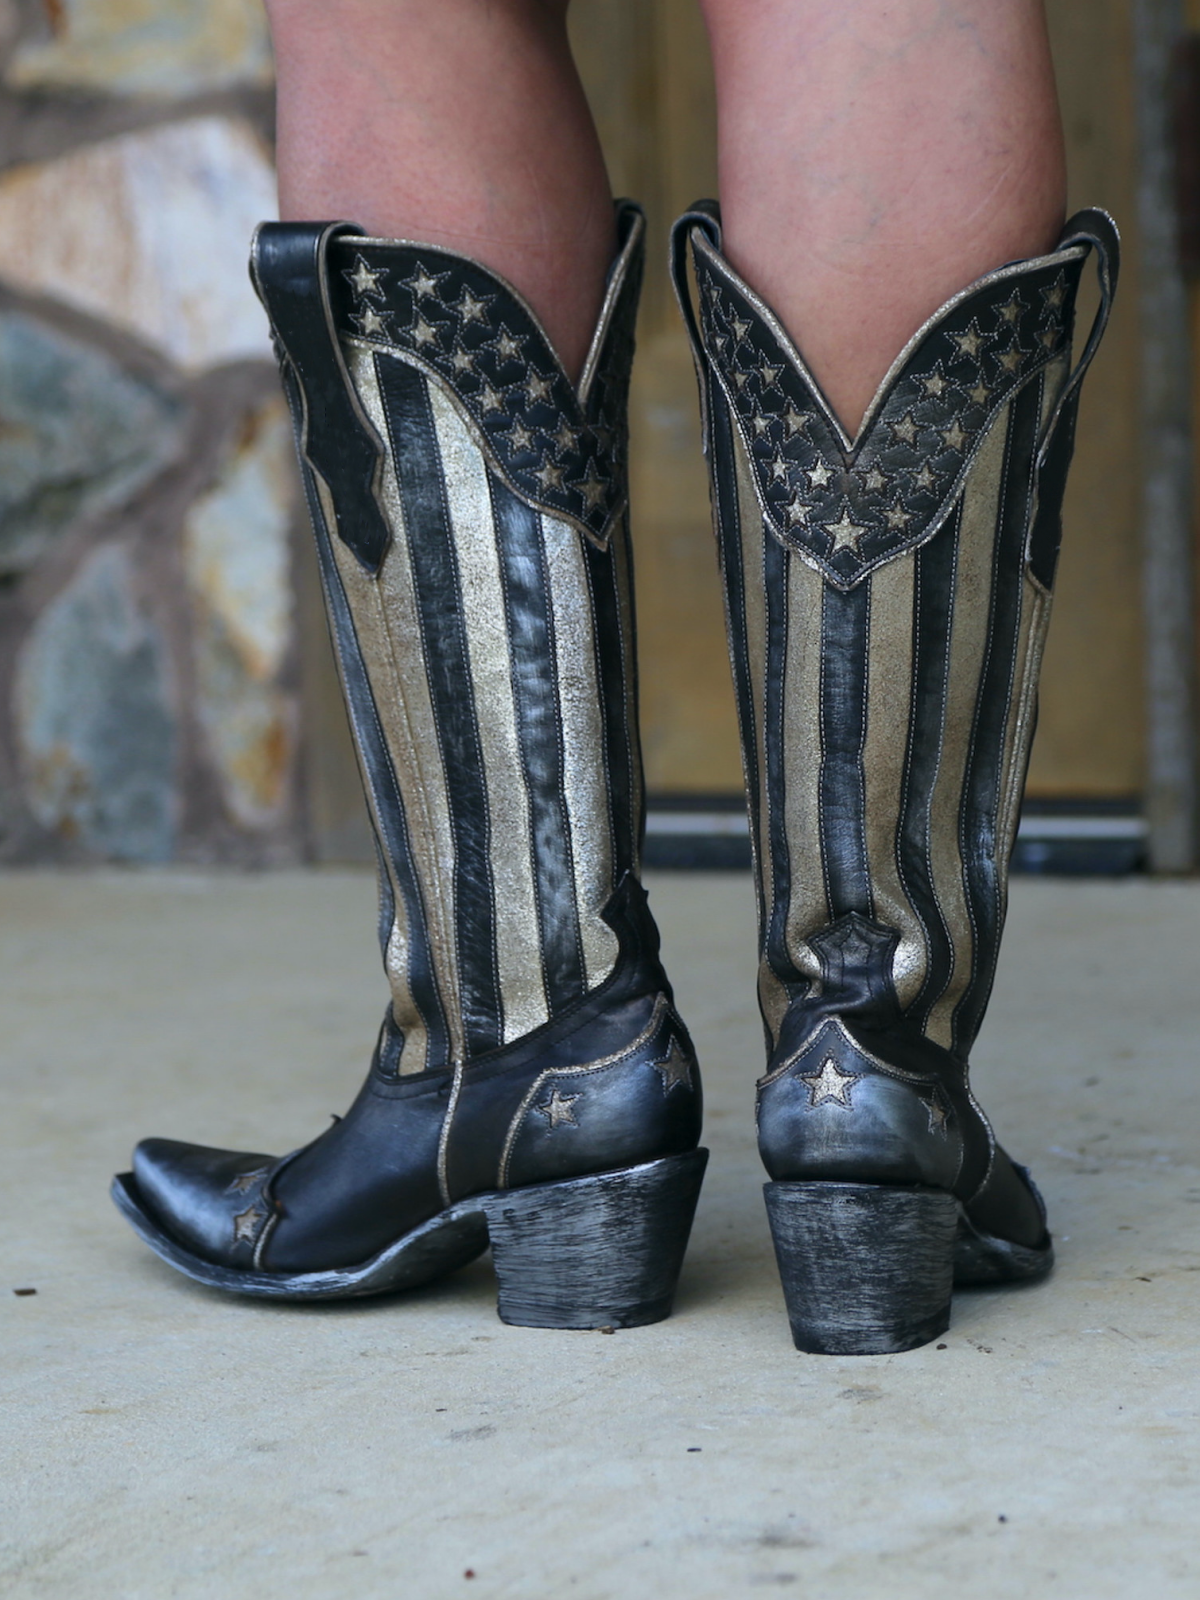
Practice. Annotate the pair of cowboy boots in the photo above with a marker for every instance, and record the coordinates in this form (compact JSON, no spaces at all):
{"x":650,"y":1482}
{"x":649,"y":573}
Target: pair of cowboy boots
{"x":533,"y":1086}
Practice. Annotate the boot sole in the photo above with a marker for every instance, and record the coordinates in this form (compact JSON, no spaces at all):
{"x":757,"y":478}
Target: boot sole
{"x":600,"y":1251}
{"x":869,"y":1269}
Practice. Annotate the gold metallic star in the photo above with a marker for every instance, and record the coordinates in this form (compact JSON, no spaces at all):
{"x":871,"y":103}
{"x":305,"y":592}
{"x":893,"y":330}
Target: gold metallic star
{"x":934,"y":383}
{"x":797,"y":511}
{"x":246,"y":1180}
{"x":830,"y":1085}
{"x":564,"y":436}
{"x":970,"y":342}
{"x":874,"y":481}
{"x":363,"y":279}
{"x":550,"y":477}
{"x":245,"y":1225}
{"x":506,"y":346}
{"x":846,"y":534}
{"x":557,"y":1110}
{"x":955,"y":438}
{"x":423,"y":284}
{"x":980,"y":394}
{"x":1011,"y":310}
{"x":471,"y":309}
{"x":371,"y":324}
{"x":676,"y":1068}
{"x":906,"y":429}
{"x":593,"y":488}
{"x":425,"y":333}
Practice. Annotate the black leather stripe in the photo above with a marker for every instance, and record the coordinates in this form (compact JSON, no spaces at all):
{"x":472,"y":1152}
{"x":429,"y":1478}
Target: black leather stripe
{"x":531,"y":639}
{"x":729,"y":547}
{"x":844,"y":619}
{"x":388,"y":811}
{"x":620,"y":741}
{"x":775,"y":580}
{"x":430,"y":539}
{"x":984,"y":778}
{"x":333,"y":435}
{"x":1046,"y":535}
{"x":933,"y":593}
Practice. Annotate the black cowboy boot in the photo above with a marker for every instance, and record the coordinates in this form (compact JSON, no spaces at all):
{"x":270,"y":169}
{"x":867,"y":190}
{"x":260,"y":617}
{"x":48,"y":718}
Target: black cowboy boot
{"x":887,"y":600}
{"x":533,"y":1084}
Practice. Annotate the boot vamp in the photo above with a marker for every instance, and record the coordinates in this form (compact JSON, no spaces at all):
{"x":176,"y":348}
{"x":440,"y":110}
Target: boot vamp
{"x":365,"y":1182}
{"x":212,"y":1201}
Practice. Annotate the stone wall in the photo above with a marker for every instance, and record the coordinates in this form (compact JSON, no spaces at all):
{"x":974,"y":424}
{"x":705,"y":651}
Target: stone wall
{"x":150,"y":554}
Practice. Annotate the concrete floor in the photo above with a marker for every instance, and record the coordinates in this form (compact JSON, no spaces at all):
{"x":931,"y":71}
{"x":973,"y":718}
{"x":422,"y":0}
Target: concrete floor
{"x":162,"y":1440}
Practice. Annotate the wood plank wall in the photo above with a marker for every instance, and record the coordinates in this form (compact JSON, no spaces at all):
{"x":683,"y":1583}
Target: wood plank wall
{"x":645,"y":66}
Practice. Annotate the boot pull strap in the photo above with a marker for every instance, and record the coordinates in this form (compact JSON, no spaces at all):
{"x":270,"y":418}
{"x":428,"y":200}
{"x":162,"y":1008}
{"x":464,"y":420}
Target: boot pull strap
{"x":289,"y":271}
{"x":1097,"y":230}
{"x":705,"y":215}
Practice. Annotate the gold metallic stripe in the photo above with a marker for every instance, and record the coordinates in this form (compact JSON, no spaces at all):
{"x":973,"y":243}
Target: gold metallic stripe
{"x":809,"y":908}
{"x":889,"y":697}
{"x":622,"y":555}
{"x":388,"y":625}
{"x":405,"y":1012}
{"x":968,"y":648}
{"x":582,"y":731}
{"x":469,"y":505}
{"x":1022,"y":717}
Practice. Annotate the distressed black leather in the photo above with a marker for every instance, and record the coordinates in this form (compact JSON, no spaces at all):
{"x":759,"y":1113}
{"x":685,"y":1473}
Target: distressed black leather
{"x":611,"y":1084}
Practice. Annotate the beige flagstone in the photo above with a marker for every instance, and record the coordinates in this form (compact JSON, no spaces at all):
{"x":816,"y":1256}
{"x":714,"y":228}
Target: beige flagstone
{"x":149,"y":231}
{"x":155,"y":47}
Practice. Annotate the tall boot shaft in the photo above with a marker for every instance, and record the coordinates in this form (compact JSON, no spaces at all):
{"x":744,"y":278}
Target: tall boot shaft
{"x":888,"y":598}
{"x":470,"y":511}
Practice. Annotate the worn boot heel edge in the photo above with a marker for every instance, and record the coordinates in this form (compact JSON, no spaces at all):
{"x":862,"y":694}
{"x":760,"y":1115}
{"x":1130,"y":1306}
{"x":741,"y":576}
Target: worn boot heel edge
{"x":867,"y":1269}
{"x":595,"y":1252}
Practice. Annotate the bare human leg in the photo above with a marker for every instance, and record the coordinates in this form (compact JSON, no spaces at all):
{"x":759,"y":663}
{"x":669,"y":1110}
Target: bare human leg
{"x":876,"y":157}
{"x":460,"y":124}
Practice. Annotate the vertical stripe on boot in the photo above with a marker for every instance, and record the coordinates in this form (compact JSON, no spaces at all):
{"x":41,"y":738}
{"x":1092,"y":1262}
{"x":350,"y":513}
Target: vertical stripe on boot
{"x":531,"y":635}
